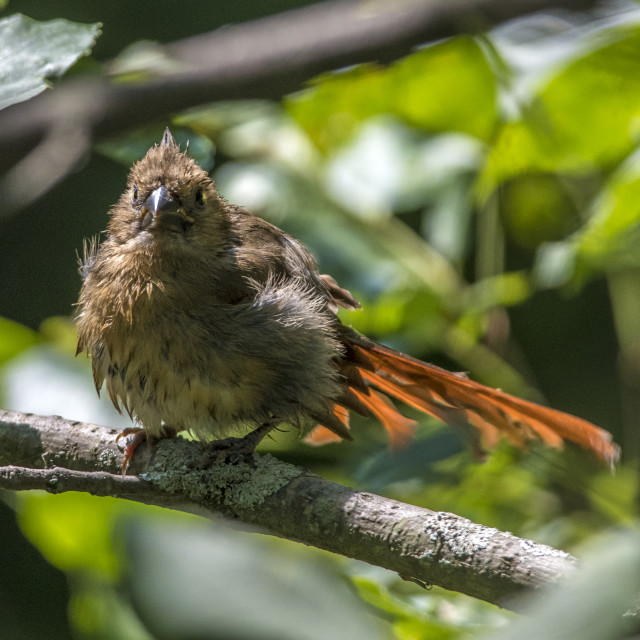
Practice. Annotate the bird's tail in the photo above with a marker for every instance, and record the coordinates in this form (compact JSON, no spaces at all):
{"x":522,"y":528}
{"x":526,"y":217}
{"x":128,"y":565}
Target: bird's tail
{"x":374,"y":372}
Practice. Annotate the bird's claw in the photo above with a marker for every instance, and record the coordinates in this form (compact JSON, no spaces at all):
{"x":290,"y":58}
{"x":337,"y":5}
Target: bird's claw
{"x":133,"y":437}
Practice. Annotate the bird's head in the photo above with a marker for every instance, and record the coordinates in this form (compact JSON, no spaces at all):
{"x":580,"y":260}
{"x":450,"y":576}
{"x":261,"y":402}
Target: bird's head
{"x":170,"y":203}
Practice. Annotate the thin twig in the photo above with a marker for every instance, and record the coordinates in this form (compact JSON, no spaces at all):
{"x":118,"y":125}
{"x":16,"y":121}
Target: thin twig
{"x":59,"y":480}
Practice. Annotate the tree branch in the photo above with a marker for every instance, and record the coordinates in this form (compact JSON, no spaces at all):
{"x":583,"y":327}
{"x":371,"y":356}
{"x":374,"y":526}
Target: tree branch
{"x":284,"y":500}
{"x":265,"y":58}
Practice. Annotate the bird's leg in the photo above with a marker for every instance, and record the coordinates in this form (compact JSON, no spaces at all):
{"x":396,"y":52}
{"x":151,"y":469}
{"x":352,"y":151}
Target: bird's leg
{"x":134,"y":436}
{"x":234,"y":449}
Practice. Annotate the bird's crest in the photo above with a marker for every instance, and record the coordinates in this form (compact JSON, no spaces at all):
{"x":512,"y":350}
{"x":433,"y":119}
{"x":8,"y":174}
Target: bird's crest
{"x":168,"y":140}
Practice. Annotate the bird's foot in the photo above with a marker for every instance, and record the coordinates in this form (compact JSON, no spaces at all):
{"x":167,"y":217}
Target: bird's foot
{"x":233,"y":450}
{"x":134,"y":436}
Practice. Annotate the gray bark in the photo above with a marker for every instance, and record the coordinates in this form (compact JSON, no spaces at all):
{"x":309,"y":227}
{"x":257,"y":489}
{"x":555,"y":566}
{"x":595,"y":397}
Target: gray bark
{"x":281,"y":499}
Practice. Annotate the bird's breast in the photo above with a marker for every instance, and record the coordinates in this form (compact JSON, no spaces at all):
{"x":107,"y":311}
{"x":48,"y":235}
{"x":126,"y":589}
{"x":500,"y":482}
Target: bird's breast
{"x":165,"y":372}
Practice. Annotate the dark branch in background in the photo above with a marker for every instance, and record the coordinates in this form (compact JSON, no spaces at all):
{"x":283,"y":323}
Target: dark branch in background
{"x":266,"y":58}
{"x":283,"y":500}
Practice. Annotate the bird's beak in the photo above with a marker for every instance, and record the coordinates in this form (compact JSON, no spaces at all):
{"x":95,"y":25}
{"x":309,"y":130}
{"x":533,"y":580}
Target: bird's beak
{"x":162,"y":210}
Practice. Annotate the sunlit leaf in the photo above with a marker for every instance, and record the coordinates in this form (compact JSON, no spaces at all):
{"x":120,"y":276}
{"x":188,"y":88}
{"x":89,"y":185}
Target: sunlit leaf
{"x":596,"y":131}
{"x":60,"y":331}
{"x":32,"y":52}
{"x":610,"y":239}
{"x":74,"y":531}
{"x":449,"y":86}
{"x":505,"y":289}
{"x":555,"y":264}
{"x":583,"y":118}
{"x":99,"y":610}
{"x":429,"y":613}
{"x":538,"y":208}
{"x":14,"y":338}
{"x":519,"y":148}
{"x":336,"y":103}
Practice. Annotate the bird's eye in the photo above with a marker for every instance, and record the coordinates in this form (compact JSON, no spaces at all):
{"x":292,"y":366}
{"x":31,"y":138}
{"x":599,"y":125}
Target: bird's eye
{"x":135,"y":193}
{"x":199,"y":196}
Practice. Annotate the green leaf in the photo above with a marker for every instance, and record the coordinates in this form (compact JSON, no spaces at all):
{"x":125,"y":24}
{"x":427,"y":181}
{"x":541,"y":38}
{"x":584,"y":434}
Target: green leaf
{"x":505,"y":289}
{"x":205,"y":582}
{"x":449,"y":86}
{"x":537,"y":208}
{"x":597,"y":131}
{"x":60,"y":332}
{"x":610,"y":237}
{"x":73,"y":530}
{"x":431,"y":614}
{"x":585,"y":117}
{"x":519,"y":148}
{"x":14,"y":338}
{"x":336,"y":104}
{"x":31,"y":52}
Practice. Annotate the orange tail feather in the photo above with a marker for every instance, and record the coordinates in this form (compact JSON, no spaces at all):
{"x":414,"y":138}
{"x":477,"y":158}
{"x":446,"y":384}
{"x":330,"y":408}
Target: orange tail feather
{"x":321,"y":435}
{"x":456,"y":400}
{"x":400,"y":429}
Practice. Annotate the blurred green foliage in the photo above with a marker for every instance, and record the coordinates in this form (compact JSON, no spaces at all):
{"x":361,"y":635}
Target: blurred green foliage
{"x":449,"y":86}
{"x":480,"y":197}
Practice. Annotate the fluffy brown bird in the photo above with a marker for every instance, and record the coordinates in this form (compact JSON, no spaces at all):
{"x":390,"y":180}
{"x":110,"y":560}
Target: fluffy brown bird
{"x":200,"y":316}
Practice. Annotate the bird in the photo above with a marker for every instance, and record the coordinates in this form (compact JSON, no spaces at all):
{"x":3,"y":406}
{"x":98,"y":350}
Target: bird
{"x":200,"y":316}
